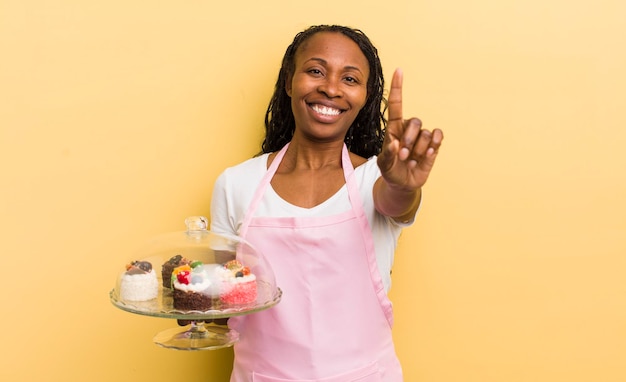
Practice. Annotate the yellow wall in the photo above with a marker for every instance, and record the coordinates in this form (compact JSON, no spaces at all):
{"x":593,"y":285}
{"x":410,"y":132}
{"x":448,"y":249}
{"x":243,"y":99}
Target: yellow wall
{"x":117,"y":116}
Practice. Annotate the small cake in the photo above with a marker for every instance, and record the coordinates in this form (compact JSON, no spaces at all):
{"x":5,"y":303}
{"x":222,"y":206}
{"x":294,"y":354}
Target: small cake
{"x":139,"y":282}
{"x":238,"y":285}
{"x":168,"y":267}
{"x":193,"y":287}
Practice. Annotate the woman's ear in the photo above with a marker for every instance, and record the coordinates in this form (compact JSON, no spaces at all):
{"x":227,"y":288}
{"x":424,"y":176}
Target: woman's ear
{"x":288,"y":85}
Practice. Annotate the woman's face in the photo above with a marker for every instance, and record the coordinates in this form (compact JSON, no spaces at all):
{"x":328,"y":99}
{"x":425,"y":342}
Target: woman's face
{"x":328,"y":87}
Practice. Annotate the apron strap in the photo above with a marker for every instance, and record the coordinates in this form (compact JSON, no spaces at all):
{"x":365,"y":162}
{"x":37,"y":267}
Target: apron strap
{"x":258,"y":196}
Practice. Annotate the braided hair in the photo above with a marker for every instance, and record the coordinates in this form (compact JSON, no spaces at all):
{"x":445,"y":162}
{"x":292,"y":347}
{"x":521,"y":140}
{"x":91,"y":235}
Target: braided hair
{"x":365,"y":136}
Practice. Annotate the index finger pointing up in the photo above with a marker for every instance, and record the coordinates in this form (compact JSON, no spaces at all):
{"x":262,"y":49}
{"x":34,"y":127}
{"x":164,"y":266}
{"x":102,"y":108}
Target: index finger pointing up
{"x":395,"y":97}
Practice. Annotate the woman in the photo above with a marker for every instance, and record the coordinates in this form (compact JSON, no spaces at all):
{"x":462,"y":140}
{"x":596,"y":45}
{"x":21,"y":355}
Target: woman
{"x":325,"y":203}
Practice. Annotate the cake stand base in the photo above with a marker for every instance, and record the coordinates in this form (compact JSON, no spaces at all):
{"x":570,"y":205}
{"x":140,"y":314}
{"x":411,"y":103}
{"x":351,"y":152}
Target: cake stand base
{"x":197,"y":336}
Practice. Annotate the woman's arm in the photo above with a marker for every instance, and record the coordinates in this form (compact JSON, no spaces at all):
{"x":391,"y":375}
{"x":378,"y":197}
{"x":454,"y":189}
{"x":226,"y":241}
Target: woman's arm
{"x":405,"y":161}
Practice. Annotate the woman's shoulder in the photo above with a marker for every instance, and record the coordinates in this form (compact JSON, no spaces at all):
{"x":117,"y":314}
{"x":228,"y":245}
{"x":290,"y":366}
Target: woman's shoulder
{"x":257,"y":164}
{"x":367,"y":167}
{"x":357,"y":160}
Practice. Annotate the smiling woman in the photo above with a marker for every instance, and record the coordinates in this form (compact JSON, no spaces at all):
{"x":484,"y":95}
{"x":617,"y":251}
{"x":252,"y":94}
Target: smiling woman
{"x":116,"y":118}
{"x":328,"y":87}
{"x":366,"y":135}
{"x":328,"y":194}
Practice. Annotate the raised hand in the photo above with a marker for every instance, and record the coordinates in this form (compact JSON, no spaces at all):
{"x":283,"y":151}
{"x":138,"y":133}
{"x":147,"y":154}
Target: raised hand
{"x":409,"y":152}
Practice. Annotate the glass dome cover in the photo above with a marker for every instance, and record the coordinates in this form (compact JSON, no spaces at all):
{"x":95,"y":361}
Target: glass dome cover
{"x":196,"y":275}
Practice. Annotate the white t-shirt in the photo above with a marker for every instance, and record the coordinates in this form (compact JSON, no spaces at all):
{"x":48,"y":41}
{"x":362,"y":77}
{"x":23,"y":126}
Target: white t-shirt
{"x":235,"y":187}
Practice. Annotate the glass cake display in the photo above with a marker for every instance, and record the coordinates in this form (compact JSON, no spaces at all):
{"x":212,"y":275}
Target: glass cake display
{"x":196,"y":276}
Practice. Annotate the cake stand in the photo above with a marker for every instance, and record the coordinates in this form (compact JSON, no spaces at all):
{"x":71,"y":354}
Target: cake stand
{"x":198,"y":244}
{"x":202,"y":333}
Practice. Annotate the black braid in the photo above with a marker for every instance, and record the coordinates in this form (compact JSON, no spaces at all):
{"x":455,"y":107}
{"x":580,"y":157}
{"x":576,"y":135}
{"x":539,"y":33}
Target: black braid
{"x":365,"y":136}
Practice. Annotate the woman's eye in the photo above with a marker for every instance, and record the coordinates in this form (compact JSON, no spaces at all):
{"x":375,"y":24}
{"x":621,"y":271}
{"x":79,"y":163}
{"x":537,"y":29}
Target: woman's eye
{"x":315,"y":71}
{"x":351,"y":79}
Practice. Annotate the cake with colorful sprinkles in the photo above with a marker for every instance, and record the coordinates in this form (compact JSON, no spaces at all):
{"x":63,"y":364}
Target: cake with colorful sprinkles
{"x":194,"y":287}
{"x":139,"y":282}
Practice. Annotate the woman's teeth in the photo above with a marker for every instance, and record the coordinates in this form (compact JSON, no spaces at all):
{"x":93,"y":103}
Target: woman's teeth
{"x":325,"y":110}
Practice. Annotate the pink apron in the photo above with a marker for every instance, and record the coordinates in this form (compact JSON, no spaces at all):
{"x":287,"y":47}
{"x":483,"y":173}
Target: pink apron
{"x":334,"y":321}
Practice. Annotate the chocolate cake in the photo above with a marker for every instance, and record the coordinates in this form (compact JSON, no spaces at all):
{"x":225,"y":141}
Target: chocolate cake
{"x":168,"y":267}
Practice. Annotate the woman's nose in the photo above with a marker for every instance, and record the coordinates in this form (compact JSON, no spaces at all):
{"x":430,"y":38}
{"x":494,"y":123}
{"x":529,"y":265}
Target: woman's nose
{"x":330,"y":87}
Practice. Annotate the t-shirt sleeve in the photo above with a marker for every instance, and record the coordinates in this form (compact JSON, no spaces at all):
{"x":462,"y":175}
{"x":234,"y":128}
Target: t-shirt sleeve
{"x":233,"y":192}
{"x":220,"y":216}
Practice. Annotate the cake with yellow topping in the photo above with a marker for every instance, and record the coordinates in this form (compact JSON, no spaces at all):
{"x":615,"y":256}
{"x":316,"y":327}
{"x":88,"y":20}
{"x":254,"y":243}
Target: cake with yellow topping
{"x":194,"y":287}
{"x":168,"y":267}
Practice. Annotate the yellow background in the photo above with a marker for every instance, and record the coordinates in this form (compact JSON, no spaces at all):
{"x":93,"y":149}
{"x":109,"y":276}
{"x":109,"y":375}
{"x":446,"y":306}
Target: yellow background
{"x":117,"y":116}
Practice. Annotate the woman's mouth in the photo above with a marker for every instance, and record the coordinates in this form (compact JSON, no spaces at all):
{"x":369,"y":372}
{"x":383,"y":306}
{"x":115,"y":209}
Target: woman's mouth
{"x":325,"y":110}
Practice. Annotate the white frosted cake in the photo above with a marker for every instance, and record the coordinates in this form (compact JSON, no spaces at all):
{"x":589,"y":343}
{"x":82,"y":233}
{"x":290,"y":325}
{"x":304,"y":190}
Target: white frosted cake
{"x":139,"y":282}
